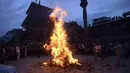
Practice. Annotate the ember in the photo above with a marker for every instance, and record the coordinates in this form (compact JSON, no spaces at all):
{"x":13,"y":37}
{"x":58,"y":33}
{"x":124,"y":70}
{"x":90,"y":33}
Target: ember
{"x":59,"y":47}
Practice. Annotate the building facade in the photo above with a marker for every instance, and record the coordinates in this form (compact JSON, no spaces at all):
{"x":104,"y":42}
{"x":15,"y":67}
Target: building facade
{"x":111,"y":29}
{"x":37,"y":24}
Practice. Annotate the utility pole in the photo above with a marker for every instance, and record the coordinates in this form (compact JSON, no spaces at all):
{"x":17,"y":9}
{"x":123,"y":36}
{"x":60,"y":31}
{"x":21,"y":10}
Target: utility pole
{"x":84,"y":4}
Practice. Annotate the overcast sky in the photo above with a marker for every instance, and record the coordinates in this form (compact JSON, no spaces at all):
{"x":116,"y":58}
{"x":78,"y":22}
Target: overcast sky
{"x":12,"y":12}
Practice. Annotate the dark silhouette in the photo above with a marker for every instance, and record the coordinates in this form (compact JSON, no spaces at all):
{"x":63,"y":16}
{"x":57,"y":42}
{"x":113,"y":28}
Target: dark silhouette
{"x":126,"y":14}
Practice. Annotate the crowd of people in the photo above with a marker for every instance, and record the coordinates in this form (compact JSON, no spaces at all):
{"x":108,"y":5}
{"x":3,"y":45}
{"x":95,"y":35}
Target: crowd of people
{"x":121,"y":52}
{"x":9,"y":52}
{"x":119,"y":49}
{"x":97,"y":49}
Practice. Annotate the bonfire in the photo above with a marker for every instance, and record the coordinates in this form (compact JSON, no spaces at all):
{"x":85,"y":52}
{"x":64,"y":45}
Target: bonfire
{"x":58,"y":45}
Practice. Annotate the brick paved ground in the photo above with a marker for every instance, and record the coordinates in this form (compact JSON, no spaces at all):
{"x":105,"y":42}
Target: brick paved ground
{"x":30,"y":65}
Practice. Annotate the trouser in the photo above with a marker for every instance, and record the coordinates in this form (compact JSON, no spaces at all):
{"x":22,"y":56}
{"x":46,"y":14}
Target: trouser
{"x":117,"y":59}
{"x":18,"y":55}
{"x":121,"y":58}
{"x":98,"y":54}
{"x":25,"y":54}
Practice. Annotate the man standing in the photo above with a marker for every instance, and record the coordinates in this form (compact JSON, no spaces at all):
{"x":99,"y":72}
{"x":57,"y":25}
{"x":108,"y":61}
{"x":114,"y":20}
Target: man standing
{"x":3,"y":51}
{"x":24,"y":51}
{"x":98,"y":52}
{"x":18,"y":52}
{"x":120,"y":52}
{"x":25,"y":48}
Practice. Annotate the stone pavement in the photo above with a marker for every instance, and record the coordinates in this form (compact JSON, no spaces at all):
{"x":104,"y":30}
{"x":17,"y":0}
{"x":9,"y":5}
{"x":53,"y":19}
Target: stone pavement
{"x":30,"y":65}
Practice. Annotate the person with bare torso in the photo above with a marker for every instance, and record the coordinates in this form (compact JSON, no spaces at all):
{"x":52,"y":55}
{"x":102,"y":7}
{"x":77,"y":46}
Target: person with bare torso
{"x":98,"y":52}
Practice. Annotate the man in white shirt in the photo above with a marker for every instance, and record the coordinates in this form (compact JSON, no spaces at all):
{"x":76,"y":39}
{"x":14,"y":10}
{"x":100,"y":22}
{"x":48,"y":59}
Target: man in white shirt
{"x":18,"y":52}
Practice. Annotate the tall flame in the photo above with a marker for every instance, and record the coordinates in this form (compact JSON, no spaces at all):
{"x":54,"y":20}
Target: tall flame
{"x":59,"y":46}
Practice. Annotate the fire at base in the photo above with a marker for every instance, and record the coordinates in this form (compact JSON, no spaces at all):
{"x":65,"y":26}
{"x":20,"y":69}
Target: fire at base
{"x":59,"y":46}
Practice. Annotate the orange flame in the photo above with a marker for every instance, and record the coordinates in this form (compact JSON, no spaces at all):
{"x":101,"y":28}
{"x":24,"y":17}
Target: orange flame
{"x":59,"y":46}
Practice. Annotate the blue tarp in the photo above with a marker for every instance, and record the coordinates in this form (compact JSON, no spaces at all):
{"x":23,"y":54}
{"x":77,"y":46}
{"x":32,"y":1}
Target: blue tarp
{"x":7,"y":69}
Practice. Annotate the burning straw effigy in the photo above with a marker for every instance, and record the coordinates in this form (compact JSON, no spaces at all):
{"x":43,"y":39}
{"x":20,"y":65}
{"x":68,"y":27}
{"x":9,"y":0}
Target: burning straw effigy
{"x":59,"y":47}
